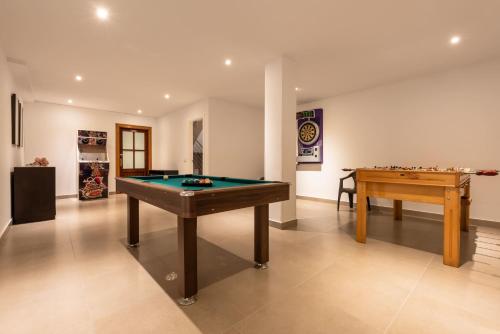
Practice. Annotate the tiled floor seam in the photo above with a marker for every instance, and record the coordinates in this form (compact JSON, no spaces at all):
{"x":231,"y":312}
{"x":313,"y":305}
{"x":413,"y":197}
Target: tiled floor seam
{"x":233,"y":326}
{"x":68,"y":230}
{"x":396,"y":315}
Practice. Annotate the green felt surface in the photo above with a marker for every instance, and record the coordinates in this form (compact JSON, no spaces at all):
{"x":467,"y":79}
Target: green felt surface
{"x":218,"y":182}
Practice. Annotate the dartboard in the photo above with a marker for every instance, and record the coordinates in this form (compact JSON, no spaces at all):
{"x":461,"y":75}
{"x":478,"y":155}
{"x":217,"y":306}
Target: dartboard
{"x":308,"y":133}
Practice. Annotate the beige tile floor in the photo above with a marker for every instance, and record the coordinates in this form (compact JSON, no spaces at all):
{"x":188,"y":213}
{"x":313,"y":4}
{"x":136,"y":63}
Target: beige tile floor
{"x":75,"y":275}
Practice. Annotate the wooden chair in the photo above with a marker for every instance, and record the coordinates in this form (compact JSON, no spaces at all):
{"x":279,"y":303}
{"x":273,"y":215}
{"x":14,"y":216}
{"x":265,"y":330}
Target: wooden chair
{"x":350,"y":191}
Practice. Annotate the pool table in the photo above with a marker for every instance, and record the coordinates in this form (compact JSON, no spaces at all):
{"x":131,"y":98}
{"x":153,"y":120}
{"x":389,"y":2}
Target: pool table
{"x":189,"y":202}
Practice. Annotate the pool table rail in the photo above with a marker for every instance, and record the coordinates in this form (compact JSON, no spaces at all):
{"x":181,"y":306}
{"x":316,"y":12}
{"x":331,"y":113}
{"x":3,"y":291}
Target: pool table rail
{"x":191,"y":204}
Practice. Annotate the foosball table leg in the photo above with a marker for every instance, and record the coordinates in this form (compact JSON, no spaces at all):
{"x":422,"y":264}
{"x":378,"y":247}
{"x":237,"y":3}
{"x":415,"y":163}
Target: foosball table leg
{"x":465,"y":209}
{"x":451,"y":228}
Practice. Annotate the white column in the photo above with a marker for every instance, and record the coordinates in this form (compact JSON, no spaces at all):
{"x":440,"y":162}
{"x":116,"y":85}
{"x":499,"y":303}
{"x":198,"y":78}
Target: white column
{"x":280,"y":135}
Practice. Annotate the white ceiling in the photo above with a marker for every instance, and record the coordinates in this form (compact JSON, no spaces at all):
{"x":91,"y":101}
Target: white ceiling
{"x":152,"y":47}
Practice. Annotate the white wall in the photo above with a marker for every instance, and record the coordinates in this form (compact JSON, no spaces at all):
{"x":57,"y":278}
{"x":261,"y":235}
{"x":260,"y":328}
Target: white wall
{"x":280,"y":133}
{"x":10,"y":155}
{"x":233,"y":138}
{"x":51,"y":131}
{"x":175,"y":135}
{"x":448,"y":119}
{"x":236,"y":140}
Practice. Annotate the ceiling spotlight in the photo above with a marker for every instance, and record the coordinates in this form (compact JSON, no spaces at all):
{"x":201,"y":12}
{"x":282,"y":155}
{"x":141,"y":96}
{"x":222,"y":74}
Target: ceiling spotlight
{"x":70,"y":101}
{"x":78,"y":78}
{"x":167,"y":96}
{"x":228,"y":62}
{"x":455,"y":40}
{"x":139,"y":111}
{"x":297,"y":89}
{"x":102,"y":13}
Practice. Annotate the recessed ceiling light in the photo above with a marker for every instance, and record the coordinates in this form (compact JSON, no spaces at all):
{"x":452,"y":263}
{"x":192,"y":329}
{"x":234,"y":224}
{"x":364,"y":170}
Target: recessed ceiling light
{"x":297,"y":89}
{"x":70,"y":101}
{"x":102,"y":13}
{"x":78,"y":78}
{"x":167,"y":96}
{"x":228,"y":62}
{"x":139,"y":111}
{"x":455,"y":40}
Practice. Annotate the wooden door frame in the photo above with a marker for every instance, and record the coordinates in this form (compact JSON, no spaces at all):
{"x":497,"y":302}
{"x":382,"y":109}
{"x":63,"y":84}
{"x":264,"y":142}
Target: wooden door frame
{"x":191,"y":143}
{"x":149,"y":132}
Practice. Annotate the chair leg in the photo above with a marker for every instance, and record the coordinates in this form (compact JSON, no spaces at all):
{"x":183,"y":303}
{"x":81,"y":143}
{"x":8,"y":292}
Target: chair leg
{"x":338,"y":201}
{"x":368,"y":203}
{"x":351,"y":201}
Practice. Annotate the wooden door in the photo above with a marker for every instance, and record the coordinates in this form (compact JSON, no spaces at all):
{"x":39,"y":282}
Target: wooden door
{"x":133,"y":150}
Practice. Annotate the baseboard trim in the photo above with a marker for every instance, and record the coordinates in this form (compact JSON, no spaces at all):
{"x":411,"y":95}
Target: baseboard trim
{"x":66,"y":196}
{"x":484,"y":222}
{"x":411,"y":213}
{"x":435,"y":216}
{"x":76,"y":195}
{"x":323,"y":200}
{"x":5,"y":229}
{"x":406,"y":212}
{"x":283,"y":226}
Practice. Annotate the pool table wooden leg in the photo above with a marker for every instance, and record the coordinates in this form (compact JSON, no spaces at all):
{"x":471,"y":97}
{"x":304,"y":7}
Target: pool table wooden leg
{"x":398,"y":209}
{"x":132,"y":221}
{"x":261,"y":236}
{"x":187,"y":260}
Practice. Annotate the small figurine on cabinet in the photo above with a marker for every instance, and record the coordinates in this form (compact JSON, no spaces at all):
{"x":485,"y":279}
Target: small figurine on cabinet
{"x":39,"y":162}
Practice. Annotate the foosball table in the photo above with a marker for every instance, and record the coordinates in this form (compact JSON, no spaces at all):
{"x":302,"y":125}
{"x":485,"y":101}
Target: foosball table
{"x":450,"y":188}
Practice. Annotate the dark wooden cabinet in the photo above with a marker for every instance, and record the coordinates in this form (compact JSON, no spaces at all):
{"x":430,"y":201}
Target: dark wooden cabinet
{"x":163,"y":172}
{"x":33,"y":194}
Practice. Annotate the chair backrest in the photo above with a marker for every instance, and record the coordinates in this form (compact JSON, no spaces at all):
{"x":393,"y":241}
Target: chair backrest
{"x":353,"y":175}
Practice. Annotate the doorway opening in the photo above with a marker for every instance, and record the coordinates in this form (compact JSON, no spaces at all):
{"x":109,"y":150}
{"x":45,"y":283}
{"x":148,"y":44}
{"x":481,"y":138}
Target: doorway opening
{"x":198,"y":147}
{"x":133,"y":150}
